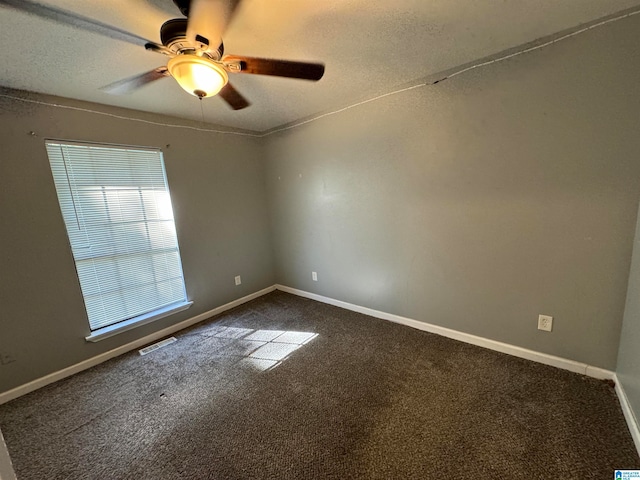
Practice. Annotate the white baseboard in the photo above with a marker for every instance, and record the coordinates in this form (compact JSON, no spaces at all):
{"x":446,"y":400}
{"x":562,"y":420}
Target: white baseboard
{"x":539,"y":357}
{"x":103,"y":357}
{"x":632,"y":421}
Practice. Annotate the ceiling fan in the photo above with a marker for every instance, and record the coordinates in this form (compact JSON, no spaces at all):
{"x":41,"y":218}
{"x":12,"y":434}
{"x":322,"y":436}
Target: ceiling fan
{"x":194,"y":45}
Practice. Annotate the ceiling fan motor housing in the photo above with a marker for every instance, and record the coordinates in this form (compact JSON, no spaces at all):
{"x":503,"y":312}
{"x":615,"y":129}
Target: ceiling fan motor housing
{"x":173,"y":30}
{"x":173,"y":35}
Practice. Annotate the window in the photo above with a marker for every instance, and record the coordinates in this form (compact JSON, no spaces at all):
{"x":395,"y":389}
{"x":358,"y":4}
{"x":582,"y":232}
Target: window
{"x":117,"y":209}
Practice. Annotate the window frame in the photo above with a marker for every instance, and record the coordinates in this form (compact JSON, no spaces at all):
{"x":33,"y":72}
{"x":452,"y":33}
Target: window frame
{"x":63,"y":186}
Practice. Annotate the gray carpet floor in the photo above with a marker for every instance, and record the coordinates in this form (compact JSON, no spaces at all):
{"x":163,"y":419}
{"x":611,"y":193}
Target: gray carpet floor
{"x":288,"y":388}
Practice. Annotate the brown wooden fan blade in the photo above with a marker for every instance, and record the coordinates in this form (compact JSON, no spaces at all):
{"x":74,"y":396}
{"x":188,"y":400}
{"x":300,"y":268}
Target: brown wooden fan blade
{"x":233,"y":97}
{"x":278,"y":68}
{"x":128,"y":85}
{"x":74,"y":20}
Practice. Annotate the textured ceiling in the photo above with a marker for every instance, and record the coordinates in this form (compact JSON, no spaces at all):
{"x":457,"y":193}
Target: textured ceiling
{"x":368,"y":48}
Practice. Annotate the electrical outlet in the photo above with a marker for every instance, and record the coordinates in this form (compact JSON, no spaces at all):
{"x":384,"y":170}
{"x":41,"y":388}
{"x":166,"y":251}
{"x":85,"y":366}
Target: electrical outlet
{"x":314,"y":276}
{"x":238,"y":280}
{"x":545,"y":322}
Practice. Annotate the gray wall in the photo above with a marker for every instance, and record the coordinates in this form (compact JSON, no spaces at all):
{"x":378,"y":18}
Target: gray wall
{"x":475,"y":204}
{"x":479,"y":203}
{"x":219,"y":197}
{"x":629,"y":355}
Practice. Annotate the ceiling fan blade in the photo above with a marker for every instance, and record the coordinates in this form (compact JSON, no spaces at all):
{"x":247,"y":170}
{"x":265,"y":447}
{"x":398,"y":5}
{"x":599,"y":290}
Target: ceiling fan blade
{"x":278,"y":68}
{"x":154,"y":47}
{"x":128,"y":85}
{"x":208,"y":20}
{"x":233,"y":97}
{"x":74,"y":20}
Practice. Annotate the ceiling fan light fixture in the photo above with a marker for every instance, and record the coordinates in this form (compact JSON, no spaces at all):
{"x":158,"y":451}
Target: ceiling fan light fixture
{"x":198,"y":76}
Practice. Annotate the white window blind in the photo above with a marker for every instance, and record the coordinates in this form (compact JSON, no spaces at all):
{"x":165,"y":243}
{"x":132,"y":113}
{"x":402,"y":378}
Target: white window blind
{"x":117,"y":209}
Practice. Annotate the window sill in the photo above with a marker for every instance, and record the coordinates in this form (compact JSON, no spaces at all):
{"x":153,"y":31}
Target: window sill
{"x":112,"y":330}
